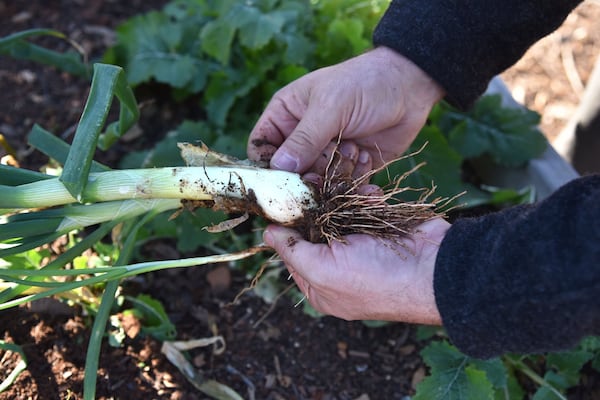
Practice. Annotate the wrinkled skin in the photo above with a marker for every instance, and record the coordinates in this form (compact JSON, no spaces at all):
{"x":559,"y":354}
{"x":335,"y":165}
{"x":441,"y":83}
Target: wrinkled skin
{"x":378,"y":100}
{"x":366,"y":278}
{"x":375,"y":104}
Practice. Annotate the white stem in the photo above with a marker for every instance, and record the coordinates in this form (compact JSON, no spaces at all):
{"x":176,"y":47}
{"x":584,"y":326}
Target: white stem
{"x":281,"y":196}
{"x":92,"y":214}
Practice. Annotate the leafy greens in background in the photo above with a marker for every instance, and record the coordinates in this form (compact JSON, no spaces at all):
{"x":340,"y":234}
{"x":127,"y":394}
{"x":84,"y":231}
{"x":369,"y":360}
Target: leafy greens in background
{"x":452,"y":139}
{"x":508,"y":135}
{"x":233,"y":55}
{"x":223,"y":51}
{"x":456,"y":376}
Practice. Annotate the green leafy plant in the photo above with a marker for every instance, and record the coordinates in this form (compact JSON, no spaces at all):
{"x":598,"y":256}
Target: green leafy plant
{"x":452,"y":141}
{"x":153,"y":317}
{"x":456,"y":376}
{"x":509,"y":136}
{"x":221,"y":51}
{"x":18,"y":46}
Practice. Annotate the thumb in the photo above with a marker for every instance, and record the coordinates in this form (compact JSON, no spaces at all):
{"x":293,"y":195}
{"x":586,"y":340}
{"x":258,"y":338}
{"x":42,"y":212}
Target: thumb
{"x":307,"y":141}
{"x":294,"y":251}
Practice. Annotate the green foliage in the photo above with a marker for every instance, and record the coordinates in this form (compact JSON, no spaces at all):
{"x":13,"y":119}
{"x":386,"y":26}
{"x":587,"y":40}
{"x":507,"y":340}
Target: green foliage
{"x":18,"y":46}
{"x":235,"y":54}
{"x":165,"y":152}
{"x":189,"y":230}
{"x":24,"y":260}
{"x":569,"y":363}
{"x":508,"y":135}
{"x":11,"y":176}
{"x":223,"y":51}
{"x":455,"y":376}
{"x":55,"y":148}
{"x":343,"y":28}
{"x":151,"y":313}
{"x":157,"y":46}
{"x":108,"y":81}
{"x":592,"y":344}
{"x":563,"y":369}
{"x":451,"y":140}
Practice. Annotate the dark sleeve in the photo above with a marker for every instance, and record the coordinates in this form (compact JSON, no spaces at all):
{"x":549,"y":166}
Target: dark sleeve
{"x":462,"y":44}
{"x":526,"y":279}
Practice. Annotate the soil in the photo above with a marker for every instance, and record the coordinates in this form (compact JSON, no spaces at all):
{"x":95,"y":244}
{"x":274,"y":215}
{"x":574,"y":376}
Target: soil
{"x":273,"y":351}
{"x":551,"y":77}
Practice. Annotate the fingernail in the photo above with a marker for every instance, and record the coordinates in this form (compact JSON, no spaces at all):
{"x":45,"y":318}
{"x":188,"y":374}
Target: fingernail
{"x":268,"y":238}
{"x":370,"y":190}
{"x":313,"y":178}
{"x":363,"y":157}
{"x":284,"y":161}
{"x":347,"y":149}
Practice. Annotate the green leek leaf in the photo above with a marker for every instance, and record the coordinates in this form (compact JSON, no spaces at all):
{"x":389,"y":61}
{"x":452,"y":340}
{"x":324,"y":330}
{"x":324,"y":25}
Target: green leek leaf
{"x":18,"y":47}
{"x":108,"y":81}
{"x":55,"y":148}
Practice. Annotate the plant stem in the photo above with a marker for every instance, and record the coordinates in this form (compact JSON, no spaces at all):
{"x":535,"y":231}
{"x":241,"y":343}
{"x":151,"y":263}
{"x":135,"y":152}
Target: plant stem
{"x":534,"y":376}
{"x":107,"y":274}
{"x":92,"y":358}
{"x":281,"y":196}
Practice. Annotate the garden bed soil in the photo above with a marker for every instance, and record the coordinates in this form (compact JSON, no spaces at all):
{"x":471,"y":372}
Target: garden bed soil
{"x":276,"y":349}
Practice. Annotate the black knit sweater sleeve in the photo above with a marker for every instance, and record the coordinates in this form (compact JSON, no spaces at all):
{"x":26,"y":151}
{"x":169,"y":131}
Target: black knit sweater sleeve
{"x":526,"y":279}
{"x":462,"y":44}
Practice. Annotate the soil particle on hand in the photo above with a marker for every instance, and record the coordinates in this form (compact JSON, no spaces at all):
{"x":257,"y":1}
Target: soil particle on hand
{"x":264,"y":148}
{"x":291,"y":241}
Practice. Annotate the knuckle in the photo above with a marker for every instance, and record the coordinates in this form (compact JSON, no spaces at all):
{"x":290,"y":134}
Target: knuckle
{"x":302,"y":138}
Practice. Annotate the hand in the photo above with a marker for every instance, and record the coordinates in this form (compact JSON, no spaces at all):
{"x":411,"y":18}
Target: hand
{"x":366,"y":278}
{"x":379,"y":100}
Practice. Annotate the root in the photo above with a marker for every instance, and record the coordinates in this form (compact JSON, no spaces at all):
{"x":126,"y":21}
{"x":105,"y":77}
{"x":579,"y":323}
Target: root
{"x":343,"y":210}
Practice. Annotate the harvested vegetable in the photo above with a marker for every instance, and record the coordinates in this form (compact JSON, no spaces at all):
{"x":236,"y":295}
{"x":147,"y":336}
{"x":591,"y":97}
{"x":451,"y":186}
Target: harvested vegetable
{"x":222,"y":182}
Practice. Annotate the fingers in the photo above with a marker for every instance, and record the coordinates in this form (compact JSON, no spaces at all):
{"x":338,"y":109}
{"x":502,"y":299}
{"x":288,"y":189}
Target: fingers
{"x":294,"y":252}
{"x":288,"y":243}
{"x":298,"y":254}
{"x":364,"y":164}
{"x":370,"y":190}
{"x":270,"y":130}
{"x":270,"y":133}
{"x":306,"y":142}
{"x":349,"y":160}
{"x":337,"y":160}
{"x":293,"y":130}
{"x":320,"y":164}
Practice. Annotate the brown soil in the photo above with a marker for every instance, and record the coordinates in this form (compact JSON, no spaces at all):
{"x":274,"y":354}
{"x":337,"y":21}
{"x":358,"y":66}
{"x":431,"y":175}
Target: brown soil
{"x":276,"y":349}
{"x":551,"y":77}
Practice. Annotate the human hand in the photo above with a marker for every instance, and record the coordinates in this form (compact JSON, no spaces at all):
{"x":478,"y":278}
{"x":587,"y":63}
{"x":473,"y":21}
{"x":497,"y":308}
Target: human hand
{"x":379,"y":100}
{"x":366,"y":278}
